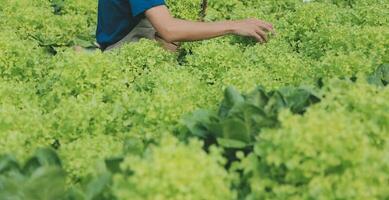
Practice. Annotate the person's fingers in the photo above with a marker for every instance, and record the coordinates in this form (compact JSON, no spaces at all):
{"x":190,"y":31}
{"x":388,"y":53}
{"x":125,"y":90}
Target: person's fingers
{"x":257,"y":37}
{"x":266,"y":26}
{"x":273,"y":31}
{"x":262,"y":34}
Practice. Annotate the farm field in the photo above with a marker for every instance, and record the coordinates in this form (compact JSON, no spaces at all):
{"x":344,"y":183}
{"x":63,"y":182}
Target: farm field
{"x":304,"y":116}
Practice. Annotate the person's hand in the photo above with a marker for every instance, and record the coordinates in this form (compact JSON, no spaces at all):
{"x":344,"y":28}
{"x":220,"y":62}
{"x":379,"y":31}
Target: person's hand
{"x":254,"y":28}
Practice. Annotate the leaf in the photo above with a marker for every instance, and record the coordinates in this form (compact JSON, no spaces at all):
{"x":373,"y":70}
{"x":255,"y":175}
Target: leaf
{"x":375,"y":80}
{"x":380,"y":77}
{"x":275,"y":104}
{"x":11,"y":186}
{"x":385,"y":73}
{"x":197,"y":123}
{"x":42,"y":157}
{"x":83,"y":43}
{"x":46,"y":183}
{"x":74,"y":193}
{"x":216,"y":129}
{"x":231,"y":99}
{"x":258,"y":97}
{"x":98,"y":185}
{"x":229,"y":143}
{"x":299,"y":99}
{"x":256,"y":119}
{"x":236,"y":129}
{"x":113,"y":164}
{"x":58,"y":6}
{"x":8,"y":163}
{"x":134,"y":146}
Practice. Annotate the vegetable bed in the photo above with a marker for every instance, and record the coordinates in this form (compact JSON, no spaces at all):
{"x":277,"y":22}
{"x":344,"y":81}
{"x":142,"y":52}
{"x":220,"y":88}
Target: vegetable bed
{"x":304,"y":116}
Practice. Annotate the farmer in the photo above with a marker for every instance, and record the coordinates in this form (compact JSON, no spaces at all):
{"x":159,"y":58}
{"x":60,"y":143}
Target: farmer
{"x":122,"y":21}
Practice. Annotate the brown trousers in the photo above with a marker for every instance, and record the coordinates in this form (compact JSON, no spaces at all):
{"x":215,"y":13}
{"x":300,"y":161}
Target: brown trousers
{"x":143,"y":30}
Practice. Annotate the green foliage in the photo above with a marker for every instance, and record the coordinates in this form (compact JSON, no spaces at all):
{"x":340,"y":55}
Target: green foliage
{"x":219,"y":9}
{"x":90,"y":106}
{"x":240,"y":118}
{"x":174,"y":171}
{"x":22,"y":124}
{"x":212,"y":59}
{"x":281,"y":66}
{"x":20,"y":59}
{"x":42,"y":177}
{"x":84,"y":156}
{"x":186,"y":9}
{"x":334,"y":151}
{"x":381,"y":76}
{"x":39,"y":22}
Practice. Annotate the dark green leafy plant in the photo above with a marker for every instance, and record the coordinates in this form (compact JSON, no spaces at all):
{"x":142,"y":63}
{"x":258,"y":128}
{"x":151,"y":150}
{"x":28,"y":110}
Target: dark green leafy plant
{"x":336,"y":150}
{"x":241,"y":117}
{"x":381,"y":76}
{"x":43,"y":178}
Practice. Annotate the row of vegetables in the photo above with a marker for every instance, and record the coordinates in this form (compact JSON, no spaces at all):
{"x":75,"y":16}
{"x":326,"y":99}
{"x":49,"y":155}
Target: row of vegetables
{"x":304,"y":116}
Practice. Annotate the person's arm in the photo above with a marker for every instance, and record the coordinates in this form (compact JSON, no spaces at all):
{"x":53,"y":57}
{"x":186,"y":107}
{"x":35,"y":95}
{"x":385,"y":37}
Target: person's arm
{"x":176,"y":30}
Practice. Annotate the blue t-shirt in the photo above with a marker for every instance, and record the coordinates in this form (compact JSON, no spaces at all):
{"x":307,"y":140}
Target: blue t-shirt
{"x":116,"y":18}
